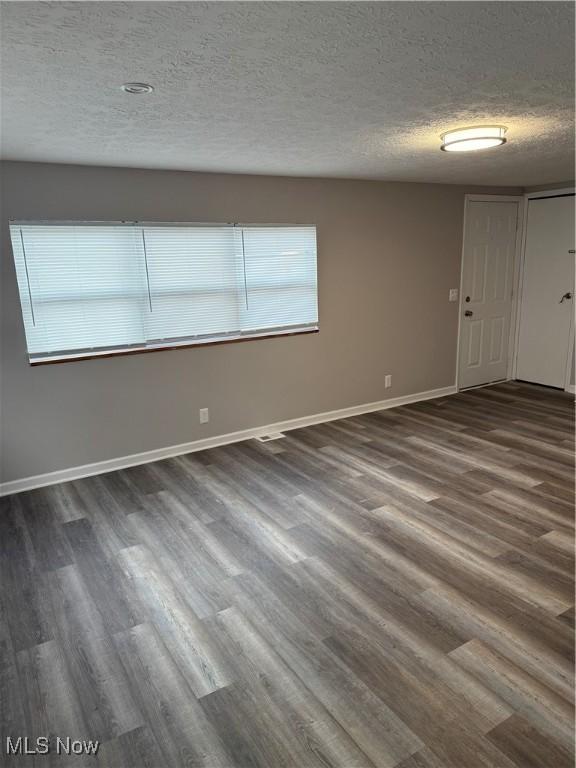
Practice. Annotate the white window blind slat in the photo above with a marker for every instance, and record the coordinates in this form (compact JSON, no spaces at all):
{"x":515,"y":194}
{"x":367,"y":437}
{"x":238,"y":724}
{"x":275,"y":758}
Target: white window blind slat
{"x":86,"y":284}
{"x":280,"y":276}
{"x":193,"y":281}
{"x":113,"y":286}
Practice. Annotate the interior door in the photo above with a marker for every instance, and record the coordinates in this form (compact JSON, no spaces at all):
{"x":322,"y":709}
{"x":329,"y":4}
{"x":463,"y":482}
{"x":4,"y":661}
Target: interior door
{"x":547,"y":306}
{"x":486,"y":291}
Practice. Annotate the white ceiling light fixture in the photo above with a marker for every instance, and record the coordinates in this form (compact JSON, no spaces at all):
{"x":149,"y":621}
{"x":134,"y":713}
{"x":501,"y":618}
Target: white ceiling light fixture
{"x":474,"y":138}
{"x":137,"y":88}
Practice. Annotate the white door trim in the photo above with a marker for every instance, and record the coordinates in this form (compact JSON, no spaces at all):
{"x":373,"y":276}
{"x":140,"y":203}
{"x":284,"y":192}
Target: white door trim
{"x":568,"y":387}
{"x":472,"y":198}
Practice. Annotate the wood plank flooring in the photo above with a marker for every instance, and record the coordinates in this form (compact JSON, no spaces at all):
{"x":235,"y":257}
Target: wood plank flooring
{"x":394,"y":589}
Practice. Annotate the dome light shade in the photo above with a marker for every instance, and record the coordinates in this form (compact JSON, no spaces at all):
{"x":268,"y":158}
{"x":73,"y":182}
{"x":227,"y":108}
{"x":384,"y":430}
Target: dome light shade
{"x":137,"y":88}
{"x":470,"y":139}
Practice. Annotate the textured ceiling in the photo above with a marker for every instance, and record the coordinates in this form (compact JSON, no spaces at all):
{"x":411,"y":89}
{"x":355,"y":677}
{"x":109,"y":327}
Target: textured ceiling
{"x":307,"y":89}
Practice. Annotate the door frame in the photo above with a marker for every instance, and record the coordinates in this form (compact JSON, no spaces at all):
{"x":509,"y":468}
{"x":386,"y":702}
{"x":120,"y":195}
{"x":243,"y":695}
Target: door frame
{"x":473,"y":198}
{"x":568,"y":387}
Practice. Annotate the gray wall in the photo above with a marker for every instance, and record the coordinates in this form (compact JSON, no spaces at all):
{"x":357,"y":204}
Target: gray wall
{"x":546,"y":187}
{"x":388,"y":254}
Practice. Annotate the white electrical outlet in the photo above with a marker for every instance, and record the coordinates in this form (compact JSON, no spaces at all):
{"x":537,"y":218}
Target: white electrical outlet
{"x":204,"y":415}
{"x":387,"y":381}
{"x":453,"y":296}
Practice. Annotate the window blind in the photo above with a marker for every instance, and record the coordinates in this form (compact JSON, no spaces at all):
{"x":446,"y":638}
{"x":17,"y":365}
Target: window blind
{"x":91,"y":288}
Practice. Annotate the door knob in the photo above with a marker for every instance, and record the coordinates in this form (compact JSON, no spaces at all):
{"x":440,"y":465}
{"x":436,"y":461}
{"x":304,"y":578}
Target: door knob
{"x":468,"y":313}
{"x":567,"y":295}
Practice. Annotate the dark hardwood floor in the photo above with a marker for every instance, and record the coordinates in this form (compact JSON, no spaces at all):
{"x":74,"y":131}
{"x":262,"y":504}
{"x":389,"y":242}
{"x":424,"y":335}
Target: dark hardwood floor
{"x":394,"y":589}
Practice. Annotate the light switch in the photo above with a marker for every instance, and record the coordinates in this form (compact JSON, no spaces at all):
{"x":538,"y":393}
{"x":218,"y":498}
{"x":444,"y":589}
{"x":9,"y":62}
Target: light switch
{"x":453,"y":296}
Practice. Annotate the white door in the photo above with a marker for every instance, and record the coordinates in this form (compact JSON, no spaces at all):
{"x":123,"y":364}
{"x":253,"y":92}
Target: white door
{"x":547,"y":306}
{"x":486,"y":291}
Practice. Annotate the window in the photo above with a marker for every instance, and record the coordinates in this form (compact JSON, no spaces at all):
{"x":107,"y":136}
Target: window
{"x":89,"y":289}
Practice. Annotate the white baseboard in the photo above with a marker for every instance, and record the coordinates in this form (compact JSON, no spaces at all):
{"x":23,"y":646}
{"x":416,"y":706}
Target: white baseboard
{"x":571,"y":388}
{"x":122,"y":462}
